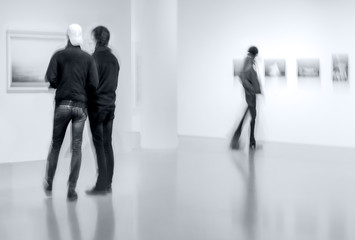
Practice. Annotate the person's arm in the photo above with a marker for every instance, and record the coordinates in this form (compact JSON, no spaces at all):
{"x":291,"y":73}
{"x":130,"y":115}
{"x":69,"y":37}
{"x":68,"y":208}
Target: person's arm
{"x":255,"y":81}
{"x":245,"y":76}
{"x":52,"y":73}
{"x":93,"y":78}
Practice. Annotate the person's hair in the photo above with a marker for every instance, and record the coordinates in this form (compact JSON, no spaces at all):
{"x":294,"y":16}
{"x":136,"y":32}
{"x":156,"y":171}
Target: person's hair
{"x":101,"y":35}
{"x":253,"y":50}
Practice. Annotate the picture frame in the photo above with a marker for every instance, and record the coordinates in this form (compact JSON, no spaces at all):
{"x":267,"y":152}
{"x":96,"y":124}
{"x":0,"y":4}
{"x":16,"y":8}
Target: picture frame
{"x":275,"y":67}
{"x":275,"y":72}
{"x":340,"y":68}
{"x":28,"y":56}
{"x":308,"y":71}
{"x":308,"y":68}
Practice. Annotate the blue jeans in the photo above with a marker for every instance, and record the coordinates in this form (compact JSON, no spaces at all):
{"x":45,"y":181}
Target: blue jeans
{"x":251,"y":101}
{"x":101,"y":124}
{"x":63,"y":114}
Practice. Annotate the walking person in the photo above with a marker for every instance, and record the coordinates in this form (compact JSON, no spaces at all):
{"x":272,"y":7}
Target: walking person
{"x":102,"y":107}
{"x":250,"y":82}
{"x":73,"y":73}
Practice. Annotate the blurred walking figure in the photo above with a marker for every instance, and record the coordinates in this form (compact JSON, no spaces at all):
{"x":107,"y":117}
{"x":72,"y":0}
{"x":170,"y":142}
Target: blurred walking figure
{"x":72,"y":72}
{"x":102,"y":110}
{"x":249,"y":79}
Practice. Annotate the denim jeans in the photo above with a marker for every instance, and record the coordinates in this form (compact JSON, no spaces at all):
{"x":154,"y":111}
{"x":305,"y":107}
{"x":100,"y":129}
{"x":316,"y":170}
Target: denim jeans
{"x":101,"y":124}
{"x":251,"y":101}
{"x":63,"y":114}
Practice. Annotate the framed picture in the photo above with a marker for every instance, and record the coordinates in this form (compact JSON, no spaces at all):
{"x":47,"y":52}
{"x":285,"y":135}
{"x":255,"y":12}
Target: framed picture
{"x":275,"y":72}
{"x":340,"y":68}
{"x":28,"y":56}
{"x":275,"y":67}
{"x":308,"y":68}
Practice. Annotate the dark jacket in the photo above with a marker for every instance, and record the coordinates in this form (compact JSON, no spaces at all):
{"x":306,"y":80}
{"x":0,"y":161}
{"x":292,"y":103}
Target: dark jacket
{"x":249,"y":77}
{"x":73,"y":73}
{"x":108,"y":70}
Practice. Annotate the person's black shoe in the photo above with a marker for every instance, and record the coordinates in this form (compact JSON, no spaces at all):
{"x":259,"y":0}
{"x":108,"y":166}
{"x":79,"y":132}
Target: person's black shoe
{"x":47,"y":187}
{"x":96,"y":191}
{"x":72,"y":195}
{"x":109,"y":189}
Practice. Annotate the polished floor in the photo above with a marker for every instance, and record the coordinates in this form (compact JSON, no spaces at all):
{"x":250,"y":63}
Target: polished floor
{"x":201,"y":191}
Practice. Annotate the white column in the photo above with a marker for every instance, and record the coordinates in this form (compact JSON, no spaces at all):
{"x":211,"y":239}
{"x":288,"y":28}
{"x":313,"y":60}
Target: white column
{"x":157,"y":39}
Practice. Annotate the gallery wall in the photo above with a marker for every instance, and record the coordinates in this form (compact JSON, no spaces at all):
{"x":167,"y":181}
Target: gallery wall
{"x":26,"y":118}
{"x":154,"y":37}
{"x":213,"y":33}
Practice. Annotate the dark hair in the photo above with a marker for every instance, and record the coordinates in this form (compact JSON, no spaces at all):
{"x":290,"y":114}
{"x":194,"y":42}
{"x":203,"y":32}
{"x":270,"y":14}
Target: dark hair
{"x":253,"y":50}
{"x":101,"y":35}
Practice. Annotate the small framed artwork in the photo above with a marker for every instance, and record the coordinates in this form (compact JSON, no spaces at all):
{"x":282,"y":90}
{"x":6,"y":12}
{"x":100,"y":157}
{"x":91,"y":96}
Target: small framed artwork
{"x":340,"y":68}
{"x":308,"y":68}
{"x":275,"y":72}
{"x":308,"y":71}
{"x":28,"y":56}
{"x":275,"y":68}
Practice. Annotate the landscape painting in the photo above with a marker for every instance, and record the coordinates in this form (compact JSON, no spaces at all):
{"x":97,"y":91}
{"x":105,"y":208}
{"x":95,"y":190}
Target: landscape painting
{"x":28,"y":56}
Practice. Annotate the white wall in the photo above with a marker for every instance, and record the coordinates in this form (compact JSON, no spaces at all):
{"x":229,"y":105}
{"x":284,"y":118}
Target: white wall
{"x":155,"y":40}
{"x":213,"y":33}
{"x":26,"y":118}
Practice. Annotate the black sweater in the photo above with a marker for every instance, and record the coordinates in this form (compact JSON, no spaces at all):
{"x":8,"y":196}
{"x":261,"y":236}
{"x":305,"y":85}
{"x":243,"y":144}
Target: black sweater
{"x":108,"y":71}
{"x":73,"y":73}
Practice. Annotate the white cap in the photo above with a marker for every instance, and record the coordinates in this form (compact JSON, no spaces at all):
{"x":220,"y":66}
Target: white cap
{"x":75,"y":34}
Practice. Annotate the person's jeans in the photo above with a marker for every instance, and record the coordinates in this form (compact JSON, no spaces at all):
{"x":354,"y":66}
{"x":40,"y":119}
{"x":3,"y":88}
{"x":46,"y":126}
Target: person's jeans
{"x":62,"y":116}
{"x":251,"y":101}
{"x":101,"y":128}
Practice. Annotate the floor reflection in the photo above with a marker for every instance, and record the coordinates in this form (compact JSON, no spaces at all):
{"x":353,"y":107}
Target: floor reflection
{"x":250,"y":214}
{"x":74,"y":226}
{"x":157,"y":196}
{"x":245,"y":164}
{"x":105,"y":220}
{"x":51,"y":220}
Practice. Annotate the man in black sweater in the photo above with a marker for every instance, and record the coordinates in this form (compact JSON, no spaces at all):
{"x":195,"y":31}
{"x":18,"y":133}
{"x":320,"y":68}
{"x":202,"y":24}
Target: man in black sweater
{"x":102,"y":110}
{"x":73,"y":73}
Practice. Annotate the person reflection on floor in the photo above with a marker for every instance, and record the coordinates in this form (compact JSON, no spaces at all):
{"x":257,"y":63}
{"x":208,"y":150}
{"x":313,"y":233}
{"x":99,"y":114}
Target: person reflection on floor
{"x":250,"y":218}
{"x":245,"y":164}
{"x":51,"y":221}
{"x":73,"y":221}
{"x":105,"y":221}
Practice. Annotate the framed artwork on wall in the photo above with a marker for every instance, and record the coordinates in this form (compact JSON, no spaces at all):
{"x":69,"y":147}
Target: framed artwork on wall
{"x":308,"y":68}
{"x":308,"y":71}
{"x":28,"y":56}
{"x":275,"y":68}
{"x":340,"y":68}
{"x":275,"y":72}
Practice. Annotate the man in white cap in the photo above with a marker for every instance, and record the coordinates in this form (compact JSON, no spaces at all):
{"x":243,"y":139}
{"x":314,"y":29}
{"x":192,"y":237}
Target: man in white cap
{"x":73,"y":73}
{"x":74,"y":33}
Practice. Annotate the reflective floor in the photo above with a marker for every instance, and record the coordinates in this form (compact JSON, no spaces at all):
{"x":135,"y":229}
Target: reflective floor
{"x":200,"y":191}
